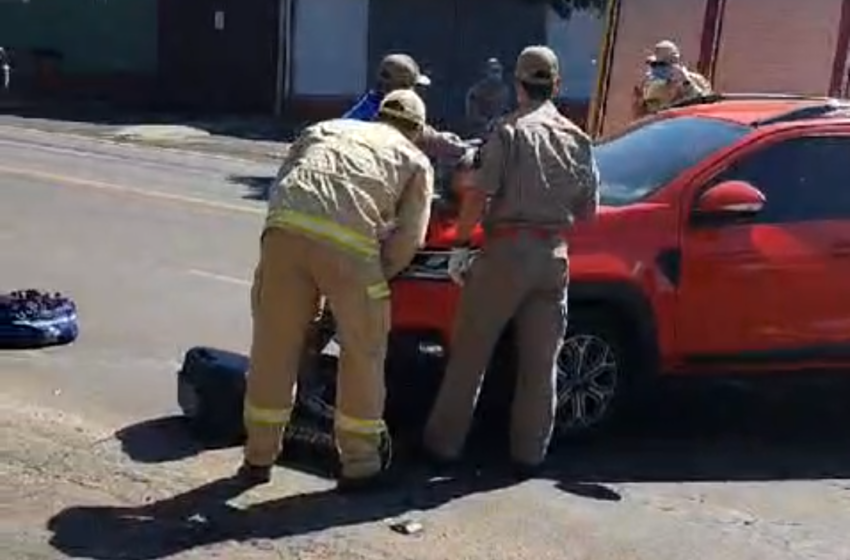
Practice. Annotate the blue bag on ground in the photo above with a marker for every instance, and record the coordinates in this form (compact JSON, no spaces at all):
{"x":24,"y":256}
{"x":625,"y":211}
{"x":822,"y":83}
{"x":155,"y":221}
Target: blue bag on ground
{"x":34,"y":319}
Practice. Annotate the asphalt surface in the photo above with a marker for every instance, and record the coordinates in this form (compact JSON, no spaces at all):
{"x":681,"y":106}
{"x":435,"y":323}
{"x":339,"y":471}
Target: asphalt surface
{"x":157,"y":249}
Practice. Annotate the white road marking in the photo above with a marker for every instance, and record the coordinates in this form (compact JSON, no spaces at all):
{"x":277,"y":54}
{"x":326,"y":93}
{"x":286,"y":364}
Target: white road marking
{"x":132,"y":191}
{"x":14,"y":130}
{"x":219,"y":277}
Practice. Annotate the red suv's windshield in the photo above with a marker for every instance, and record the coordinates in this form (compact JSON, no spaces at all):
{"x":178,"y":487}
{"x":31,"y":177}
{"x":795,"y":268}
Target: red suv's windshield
{"x":637,"y":163}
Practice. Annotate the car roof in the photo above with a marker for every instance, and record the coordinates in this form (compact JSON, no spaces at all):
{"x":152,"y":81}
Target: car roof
{"x":762,"y":108}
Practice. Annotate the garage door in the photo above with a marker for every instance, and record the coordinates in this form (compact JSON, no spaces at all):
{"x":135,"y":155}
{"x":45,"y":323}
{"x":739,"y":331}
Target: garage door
{"x":452,"y":39}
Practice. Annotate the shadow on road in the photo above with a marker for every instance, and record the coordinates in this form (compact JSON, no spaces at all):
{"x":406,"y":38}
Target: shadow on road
{"x":706,"y":434}
{"x":256,"y":187}
{"x":202,"y":516}
{"x":158,"y":441}
{"x":722,"y":433}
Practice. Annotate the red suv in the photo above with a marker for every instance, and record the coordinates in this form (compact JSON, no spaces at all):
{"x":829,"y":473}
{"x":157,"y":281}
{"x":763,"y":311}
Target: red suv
{"x":722,"y":245}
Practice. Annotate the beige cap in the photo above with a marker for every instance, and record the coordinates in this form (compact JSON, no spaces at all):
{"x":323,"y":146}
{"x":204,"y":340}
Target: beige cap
{"x":537,"y":65}
{"x":404,"y":104}
{"x":401,"y":70}
{"x":664,"y":51}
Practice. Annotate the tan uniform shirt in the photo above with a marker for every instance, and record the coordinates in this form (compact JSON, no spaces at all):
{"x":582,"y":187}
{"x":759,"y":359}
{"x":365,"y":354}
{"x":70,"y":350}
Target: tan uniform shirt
{"x":366,"y":177}
{"x":538,"y":169}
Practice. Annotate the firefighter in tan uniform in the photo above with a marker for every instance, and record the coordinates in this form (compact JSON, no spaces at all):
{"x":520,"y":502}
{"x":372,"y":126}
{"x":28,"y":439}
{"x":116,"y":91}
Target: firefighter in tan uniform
{"x":667,"y":81}
{"x":538,"y":173}
{"x":349,"y":210}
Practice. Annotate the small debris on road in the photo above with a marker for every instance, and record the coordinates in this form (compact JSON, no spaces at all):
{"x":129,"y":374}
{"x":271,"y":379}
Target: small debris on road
{"x":407,"y":527}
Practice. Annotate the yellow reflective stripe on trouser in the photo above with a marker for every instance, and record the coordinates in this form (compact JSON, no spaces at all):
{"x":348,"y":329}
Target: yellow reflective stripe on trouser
{"x":381,"y":290}
{"x":353,"y":425}
{"x":326,"y":229}
{"x":267,"y":416}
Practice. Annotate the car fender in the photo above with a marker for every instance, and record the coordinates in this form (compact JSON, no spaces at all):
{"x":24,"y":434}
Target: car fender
{"x":629,"y":303}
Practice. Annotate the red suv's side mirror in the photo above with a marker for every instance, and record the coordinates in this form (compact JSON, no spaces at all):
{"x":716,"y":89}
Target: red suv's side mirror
{"x":730,"y":198}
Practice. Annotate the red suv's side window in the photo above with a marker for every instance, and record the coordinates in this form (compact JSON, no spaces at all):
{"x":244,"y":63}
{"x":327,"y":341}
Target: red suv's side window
{"x":806,"y":178}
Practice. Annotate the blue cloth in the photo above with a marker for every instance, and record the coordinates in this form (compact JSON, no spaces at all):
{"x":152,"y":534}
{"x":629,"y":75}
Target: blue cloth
{"x":366,"y":108}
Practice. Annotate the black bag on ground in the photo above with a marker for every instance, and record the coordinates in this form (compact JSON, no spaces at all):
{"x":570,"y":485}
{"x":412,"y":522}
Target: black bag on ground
{"x":211,"y":393}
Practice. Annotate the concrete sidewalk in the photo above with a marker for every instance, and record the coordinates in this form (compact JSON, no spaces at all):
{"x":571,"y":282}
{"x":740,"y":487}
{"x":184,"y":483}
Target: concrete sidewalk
{"x":255,"y":138}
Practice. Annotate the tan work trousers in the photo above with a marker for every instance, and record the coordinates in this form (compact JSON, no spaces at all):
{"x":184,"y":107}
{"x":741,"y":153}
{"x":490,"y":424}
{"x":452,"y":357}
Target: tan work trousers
{"x":522,"y":278}
{"x":294,"y":272}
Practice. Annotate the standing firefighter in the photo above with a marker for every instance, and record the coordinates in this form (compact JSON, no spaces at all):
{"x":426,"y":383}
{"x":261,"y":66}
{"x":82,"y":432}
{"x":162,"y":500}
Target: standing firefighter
{"x":667,"y":81}
{"x":538,"y":172}
{"x":348,"y":212}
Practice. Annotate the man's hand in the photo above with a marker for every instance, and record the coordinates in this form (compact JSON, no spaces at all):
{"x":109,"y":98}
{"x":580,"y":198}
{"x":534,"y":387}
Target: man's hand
{"x":459,"y":263}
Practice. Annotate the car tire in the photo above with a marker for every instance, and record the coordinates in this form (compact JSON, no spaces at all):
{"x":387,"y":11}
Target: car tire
{"x":598,"y":372}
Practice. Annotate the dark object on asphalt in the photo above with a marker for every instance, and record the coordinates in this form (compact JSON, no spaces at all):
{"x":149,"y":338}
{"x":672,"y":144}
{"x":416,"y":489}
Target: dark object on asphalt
{"x":211,"y":389}
{"x":34,"y":319}
{"x":407,"y":527}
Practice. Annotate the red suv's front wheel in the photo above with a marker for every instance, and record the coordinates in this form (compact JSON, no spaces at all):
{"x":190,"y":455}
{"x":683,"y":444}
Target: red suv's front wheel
{"x":591,"y":374}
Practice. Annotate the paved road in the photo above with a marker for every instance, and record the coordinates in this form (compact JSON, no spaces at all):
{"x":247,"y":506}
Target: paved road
{"x":157,"y":248}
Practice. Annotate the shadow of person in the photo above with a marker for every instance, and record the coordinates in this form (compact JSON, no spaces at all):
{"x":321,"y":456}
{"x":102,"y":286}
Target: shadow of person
{"x":201,"y":517}
{"x":589,"y":490}
{"x":158,"y":441}
{"x":257,"y":187}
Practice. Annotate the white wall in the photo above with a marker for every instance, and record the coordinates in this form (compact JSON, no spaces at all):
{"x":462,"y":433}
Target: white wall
{"x":330,"y":47}
{"x":577,"y":42}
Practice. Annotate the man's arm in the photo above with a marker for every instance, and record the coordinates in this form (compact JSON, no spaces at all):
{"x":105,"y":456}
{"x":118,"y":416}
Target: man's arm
{"x":587,"y":181}
{"x":414,"y":212}
{"x":639,"y":108}
{"x":438,"y":144}
{"x":489,"y":178}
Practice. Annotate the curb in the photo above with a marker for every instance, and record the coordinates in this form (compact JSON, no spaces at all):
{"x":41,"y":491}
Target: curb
{"x":265,"y":157}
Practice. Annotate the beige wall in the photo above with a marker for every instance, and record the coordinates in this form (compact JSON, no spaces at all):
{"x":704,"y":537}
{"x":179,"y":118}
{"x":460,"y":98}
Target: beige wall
{"x":642,"y":24}
{"x":788,"y":48}
{"x":781,"y":46}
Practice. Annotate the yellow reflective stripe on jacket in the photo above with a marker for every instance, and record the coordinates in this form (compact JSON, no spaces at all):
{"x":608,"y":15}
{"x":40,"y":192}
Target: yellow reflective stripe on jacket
{"x":269,"y":416}
{"x":381,"y":290}
{"x":358,"y":426}
{"x":327,"y":229}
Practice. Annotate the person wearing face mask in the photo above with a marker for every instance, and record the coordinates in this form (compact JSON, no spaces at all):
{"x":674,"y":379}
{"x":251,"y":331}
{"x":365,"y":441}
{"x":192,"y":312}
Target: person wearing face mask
{"x":667,"y":81}
{"x":487,"y":100}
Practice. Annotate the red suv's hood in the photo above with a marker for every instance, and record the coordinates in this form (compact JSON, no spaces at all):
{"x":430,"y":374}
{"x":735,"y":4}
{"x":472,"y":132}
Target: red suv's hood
{"x":443,"y":229}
